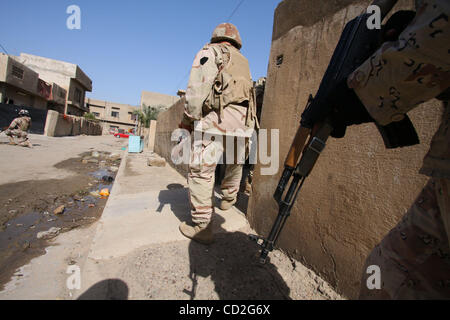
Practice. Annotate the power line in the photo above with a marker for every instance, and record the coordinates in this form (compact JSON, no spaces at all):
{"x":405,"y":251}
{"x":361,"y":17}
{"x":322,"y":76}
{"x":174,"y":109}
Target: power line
{"x":235,"y":10}
{"x":3,"y":48}
{"x":184,"y":78}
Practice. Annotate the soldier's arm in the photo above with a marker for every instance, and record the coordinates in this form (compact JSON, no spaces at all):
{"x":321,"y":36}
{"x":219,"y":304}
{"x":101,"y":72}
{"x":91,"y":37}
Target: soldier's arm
{"x":203,"y":73}
{"x":405,"y":73}
{"x":14,"y":124}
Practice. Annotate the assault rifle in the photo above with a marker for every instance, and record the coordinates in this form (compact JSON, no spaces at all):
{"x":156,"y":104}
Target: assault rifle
{"x":357,"y":44}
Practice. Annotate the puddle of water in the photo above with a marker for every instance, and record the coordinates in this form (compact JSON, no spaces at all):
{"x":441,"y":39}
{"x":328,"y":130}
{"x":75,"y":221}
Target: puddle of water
{"x":18,"y":240}
{"x":99,"y":174}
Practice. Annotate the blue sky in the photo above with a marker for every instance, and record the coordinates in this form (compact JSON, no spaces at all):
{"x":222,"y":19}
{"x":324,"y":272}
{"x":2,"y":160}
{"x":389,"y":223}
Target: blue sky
{"x":129,"y":46}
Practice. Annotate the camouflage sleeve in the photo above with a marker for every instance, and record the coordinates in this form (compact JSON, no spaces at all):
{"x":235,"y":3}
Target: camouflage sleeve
{"x":203,"y":72}
{"x":405,"y":73}
{"x":14,"y":124}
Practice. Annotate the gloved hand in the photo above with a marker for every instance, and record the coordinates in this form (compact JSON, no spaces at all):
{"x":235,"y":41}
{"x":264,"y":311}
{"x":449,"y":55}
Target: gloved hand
{"x":347,"y":109}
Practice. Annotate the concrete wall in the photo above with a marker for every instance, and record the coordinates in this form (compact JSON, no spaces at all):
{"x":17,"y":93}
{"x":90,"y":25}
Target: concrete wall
{"x":358,"y":190}
{"x":58,"y":125}
{"x":168,"y":121}
{"x":151,"y":135}
{"x":156,"y":99}
{"x":58,"y":95}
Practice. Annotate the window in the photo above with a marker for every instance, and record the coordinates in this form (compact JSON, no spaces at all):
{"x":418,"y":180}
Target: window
{"x":96,"y":114}
{"x":62,"y":94}
{"x":17,"y":72}
{"x":77,"y":95}
{"x":114,"y":114}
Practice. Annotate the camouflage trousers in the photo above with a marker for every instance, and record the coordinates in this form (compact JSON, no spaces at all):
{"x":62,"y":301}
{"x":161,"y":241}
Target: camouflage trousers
{"x":414,"y":258}
{"x":204,"y":158}
{"x":22,"y":135}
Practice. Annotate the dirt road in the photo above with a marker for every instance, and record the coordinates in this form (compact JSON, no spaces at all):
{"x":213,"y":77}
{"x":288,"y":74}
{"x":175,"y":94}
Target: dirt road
{"x":64,"y":173}
{"x":135,"y":251}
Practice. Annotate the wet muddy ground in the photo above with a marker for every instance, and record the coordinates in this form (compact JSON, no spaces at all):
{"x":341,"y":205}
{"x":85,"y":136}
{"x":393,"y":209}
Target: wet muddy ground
{"x":27,"y":208}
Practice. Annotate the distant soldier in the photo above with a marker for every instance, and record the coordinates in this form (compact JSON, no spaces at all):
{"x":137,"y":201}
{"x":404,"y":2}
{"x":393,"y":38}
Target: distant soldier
{"x":411,"y":68}
{"x":220,"y":98}
{"x":19,"y":128}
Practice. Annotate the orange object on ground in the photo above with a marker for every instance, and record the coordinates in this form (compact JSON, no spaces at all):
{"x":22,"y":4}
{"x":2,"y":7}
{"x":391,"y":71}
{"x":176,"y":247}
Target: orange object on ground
{"x":104,"y":192}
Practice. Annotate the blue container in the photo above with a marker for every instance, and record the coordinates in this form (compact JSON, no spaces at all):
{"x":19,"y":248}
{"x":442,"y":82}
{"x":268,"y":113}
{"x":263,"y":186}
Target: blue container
{"x":135,"y":144}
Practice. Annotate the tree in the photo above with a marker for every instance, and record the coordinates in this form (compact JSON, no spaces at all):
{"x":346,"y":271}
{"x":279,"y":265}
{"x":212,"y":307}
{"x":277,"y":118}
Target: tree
{"x":89,"y":116}
{"x":147,"y":114}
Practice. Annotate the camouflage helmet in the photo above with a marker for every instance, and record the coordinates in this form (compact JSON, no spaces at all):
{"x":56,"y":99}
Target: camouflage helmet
{"x":24,"y":113}
{"x":227,"y":32}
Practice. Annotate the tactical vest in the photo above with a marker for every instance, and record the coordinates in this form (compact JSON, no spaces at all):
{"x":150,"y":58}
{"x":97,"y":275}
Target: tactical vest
{"x":24,"y":123}
{"x":233,"y":83}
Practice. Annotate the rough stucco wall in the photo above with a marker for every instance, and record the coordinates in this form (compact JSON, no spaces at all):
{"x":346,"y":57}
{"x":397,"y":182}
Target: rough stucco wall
{"x":358,"y":190}
{"x":168,"y":121}
{"x":156,"y":99}
{"x":58,"y":125}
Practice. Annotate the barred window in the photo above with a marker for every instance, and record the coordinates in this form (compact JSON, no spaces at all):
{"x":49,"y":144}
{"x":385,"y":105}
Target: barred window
{"x":77,"y":95}
{"x":17,"y":72}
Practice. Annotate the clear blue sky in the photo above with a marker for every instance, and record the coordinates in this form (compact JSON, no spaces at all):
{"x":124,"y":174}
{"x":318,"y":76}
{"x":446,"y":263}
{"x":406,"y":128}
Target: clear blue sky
{"x":129,"y":46}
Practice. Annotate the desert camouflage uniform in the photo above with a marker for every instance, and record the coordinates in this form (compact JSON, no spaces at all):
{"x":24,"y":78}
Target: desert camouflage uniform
{"x":219,"y":97}
{"x":249,"y":168}
{"x":414,"y":258}
{"x":19,"y":128}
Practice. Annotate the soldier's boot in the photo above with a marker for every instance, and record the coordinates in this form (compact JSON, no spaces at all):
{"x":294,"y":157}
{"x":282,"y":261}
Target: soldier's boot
{"x":26,"y":144}
{"x":227,"y":204}
{"x":198,"y":232}
{"x":11,"y":141}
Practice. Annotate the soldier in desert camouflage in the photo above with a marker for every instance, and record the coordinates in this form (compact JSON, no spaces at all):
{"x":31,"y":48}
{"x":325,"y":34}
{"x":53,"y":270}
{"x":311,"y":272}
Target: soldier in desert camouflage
{"x":220,"y":99}
{"x":414,"y":258}
{"x":249,"y":168}
{"x":19,"y":128}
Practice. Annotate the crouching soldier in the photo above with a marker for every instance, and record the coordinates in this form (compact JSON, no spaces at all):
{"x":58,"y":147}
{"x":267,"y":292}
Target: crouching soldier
{"x":19,"y":128}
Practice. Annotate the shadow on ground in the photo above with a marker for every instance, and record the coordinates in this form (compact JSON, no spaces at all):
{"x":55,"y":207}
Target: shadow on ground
{"x":233,"y":265}
{"x":110,"y":289}
{"x":231,"y":261}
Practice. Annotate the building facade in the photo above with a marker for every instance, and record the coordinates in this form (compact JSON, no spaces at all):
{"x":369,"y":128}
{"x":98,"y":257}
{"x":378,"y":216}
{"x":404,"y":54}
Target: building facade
{"x":66,"y":76}
{"x":20,"y":85}
{"x":114,"y":116}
